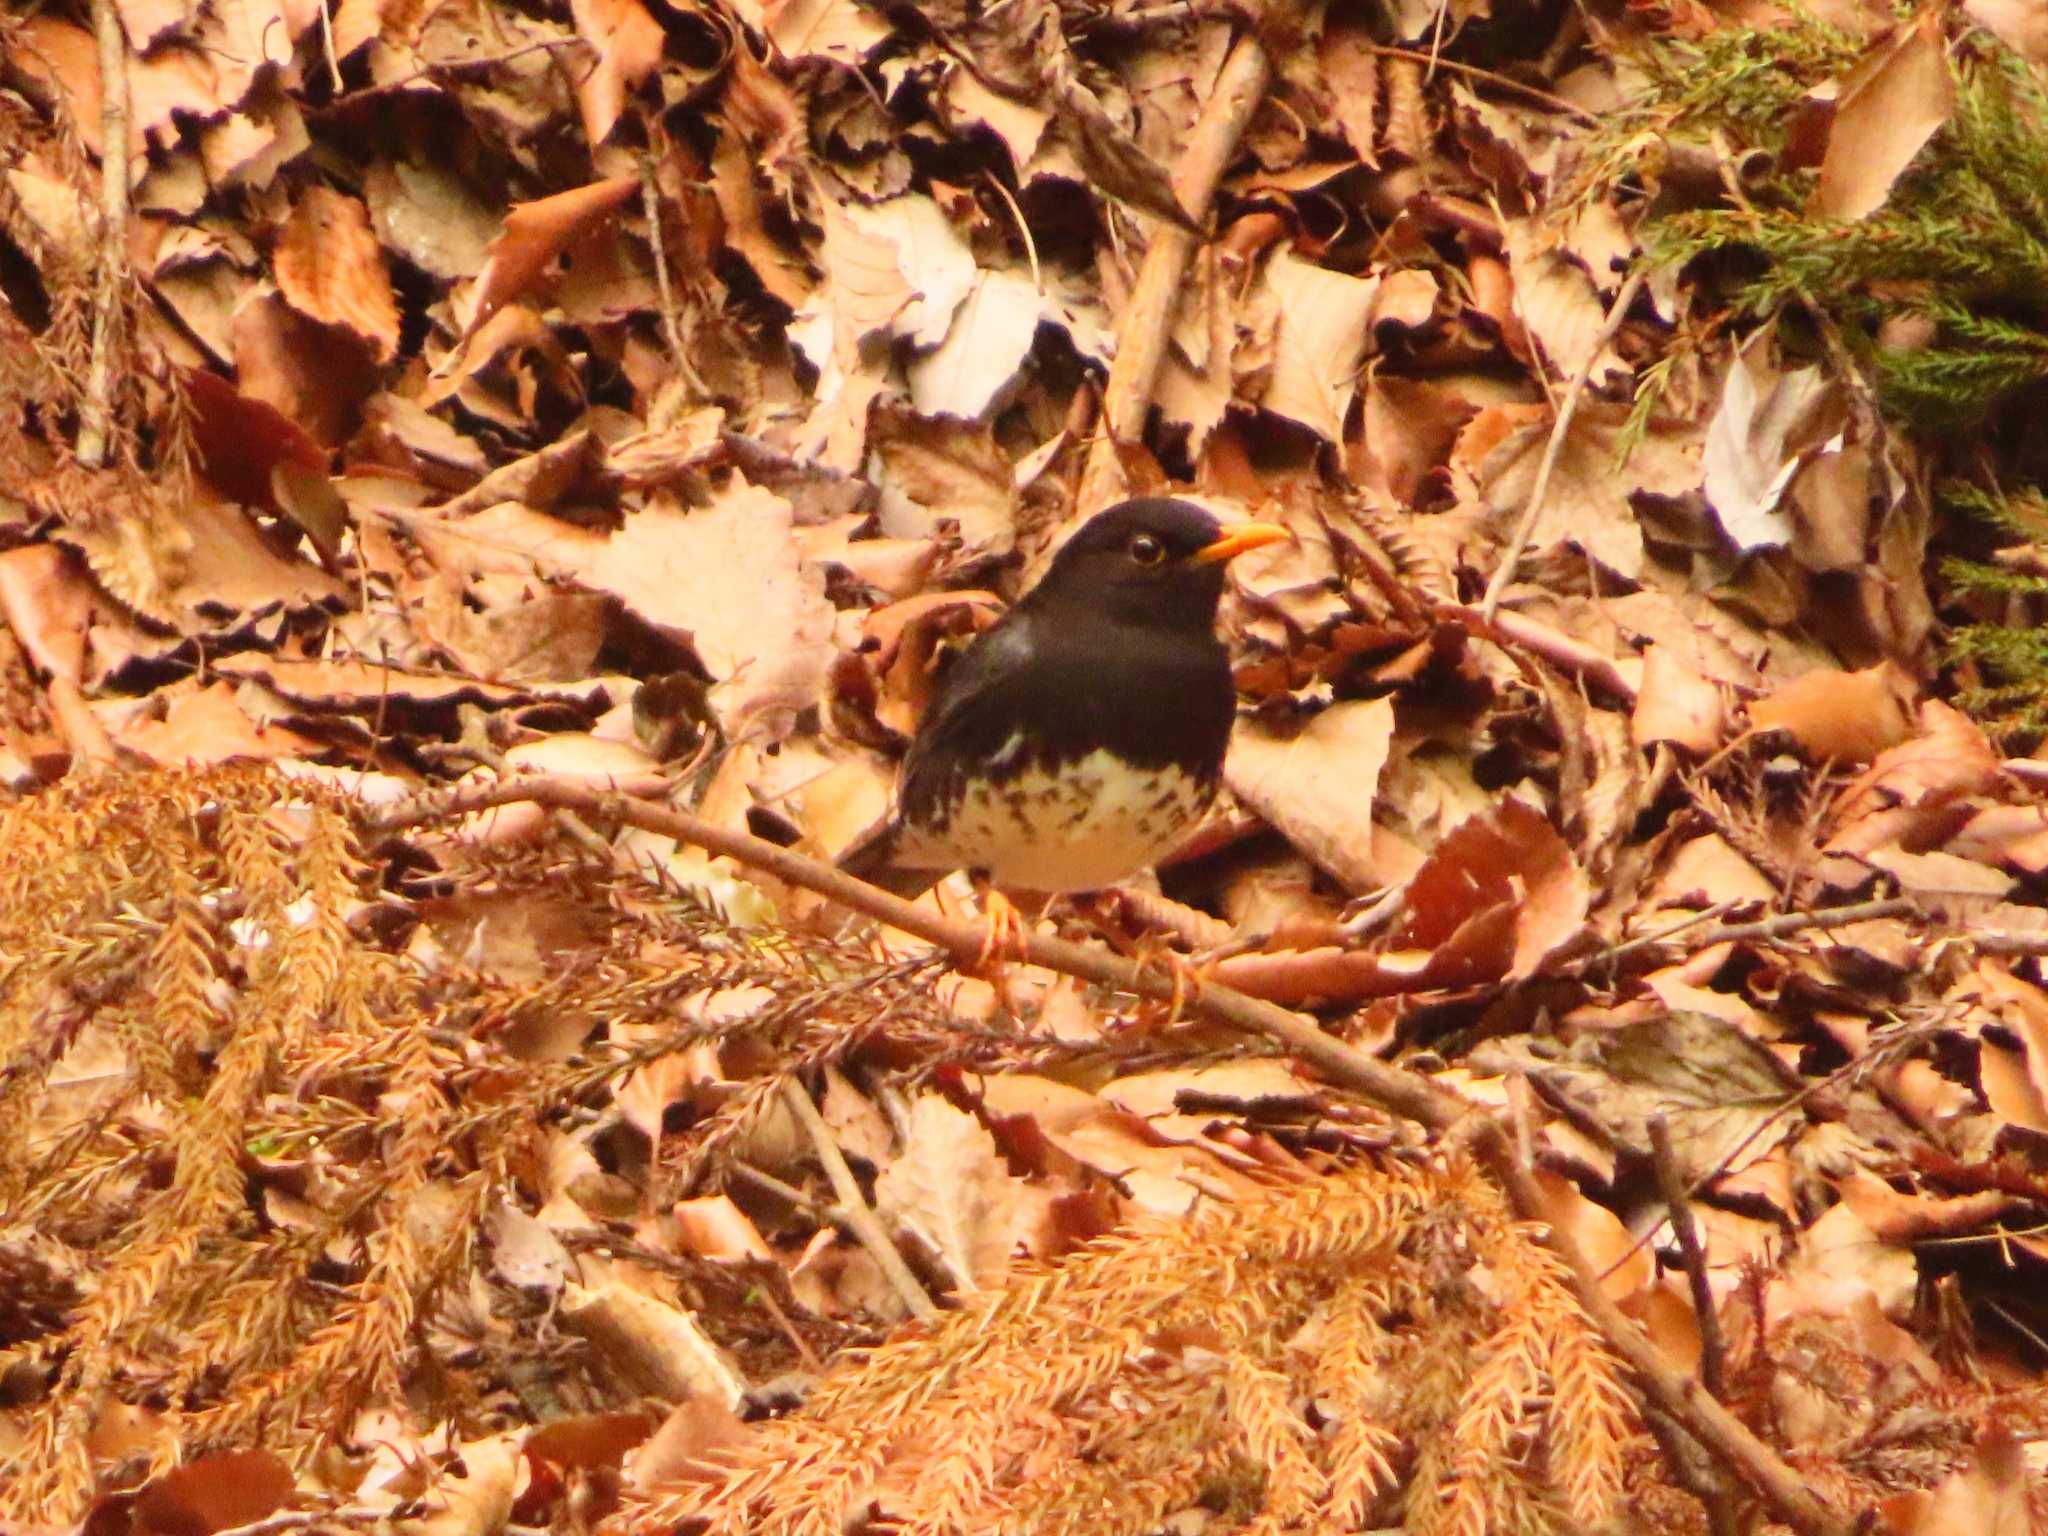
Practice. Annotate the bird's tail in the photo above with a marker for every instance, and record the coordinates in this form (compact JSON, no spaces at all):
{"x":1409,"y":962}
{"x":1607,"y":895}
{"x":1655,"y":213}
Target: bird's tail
{"x":872,"y":857}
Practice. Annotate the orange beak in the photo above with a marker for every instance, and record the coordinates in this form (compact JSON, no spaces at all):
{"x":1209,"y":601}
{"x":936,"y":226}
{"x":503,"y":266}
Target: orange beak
{"x":1239,"y":538}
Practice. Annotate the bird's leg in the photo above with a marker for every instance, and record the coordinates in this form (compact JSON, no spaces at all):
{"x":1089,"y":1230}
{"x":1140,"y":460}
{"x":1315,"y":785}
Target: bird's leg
{"x":1003,"y":938}
{"x":1184,"y":973}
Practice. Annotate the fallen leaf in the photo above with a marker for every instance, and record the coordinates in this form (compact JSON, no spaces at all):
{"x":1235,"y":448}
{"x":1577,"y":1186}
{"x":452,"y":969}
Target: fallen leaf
{"x":1317,"y":786}
{"x":950,"y":1187}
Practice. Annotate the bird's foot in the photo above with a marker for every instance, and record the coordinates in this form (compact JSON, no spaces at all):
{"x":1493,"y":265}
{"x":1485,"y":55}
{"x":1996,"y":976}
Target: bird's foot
{"x":1185,"y":975}
{"x":1003,"y":939}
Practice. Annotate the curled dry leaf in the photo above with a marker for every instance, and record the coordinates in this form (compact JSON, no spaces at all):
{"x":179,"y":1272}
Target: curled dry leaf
{"x":48,"y":602}
{"x":1948,"y":758}
{"x":536,"y":233}
{"x":1768,"y":424}
{"x":1847,"y":716}
{"x":1508,"y":860}
{"x":1675,"y":703}
{"x":628,"y":43}
{"x":1886,"y":109}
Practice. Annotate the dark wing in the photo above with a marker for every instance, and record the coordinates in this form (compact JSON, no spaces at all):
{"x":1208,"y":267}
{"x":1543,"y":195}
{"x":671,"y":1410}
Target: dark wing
{"x":971,"y":718}
{"x":959,"y":726}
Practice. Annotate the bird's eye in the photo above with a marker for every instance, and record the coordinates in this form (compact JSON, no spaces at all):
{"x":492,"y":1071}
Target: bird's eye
{"x":1147,"y":550}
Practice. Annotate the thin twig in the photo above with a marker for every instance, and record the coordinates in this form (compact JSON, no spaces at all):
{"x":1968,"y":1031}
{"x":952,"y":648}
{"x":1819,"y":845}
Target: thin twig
{"x":96,"y":410}
{"x":1795,"y":922}
{"x":1489,"y":77}
{"x":1511,"y":556}
{"x":1737,"y":933}
{"x":301,"y":1519}
{"x":1397,"y":1090}
{"x":1023,"y":228}
{"x":671,"y":317}
{"x":1713,"y":1352}
{"x":867,"y":1227}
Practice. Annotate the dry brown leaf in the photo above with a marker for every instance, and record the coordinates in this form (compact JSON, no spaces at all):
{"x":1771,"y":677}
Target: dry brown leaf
{"x":1768,"y":422}
{"x":1847,"y":716}
{"x":628,"y":43}
{"x":478,"y":1500}
{"x":1625,"y":1266}
{"x":1888,"y":107}
{"x":1990,"y":1497}
{"x":215,"y":1492}
{"x":330,"y":268}
{"x":2020,"y":24}
{"x":1095,"y":1134}
{"x":1508,"y":858}
{"x":944,"y":472}
{"x":714,"y":1228}
{"x":242,"y":440}
{"x":1839,"y":1265}
{"x":425,"y":213}
{"x":209,"y":569}
{"x":48,"y":602}
{"x":207,"y":727}
{"x":1323,"y":338}
{"x":1907,"y":1218}
{"x":1705,"y":871}
{"x":316,"y":376}
{"x":535,"y":233}
{"x":729,"y":578}
{"x":688,"y":1446}
{"x":1317,"y":787}
{"x":1351,"y":70}
{"x":1557,"y":303}
{"x":1948,"y":758}
{"x":950,"y":1187}
{"x":1110,"y":159}
{"x":363,"y":685}
{"x":1675,"y":703}
{"x":1588,"y":503}
{"x":841,"y":30}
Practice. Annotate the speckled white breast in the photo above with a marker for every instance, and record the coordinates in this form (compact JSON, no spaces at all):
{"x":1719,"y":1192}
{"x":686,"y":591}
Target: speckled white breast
{"x":1097,"y":823}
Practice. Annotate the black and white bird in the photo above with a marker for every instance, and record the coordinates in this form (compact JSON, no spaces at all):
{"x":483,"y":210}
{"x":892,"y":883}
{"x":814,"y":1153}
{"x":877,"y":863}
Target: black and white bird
{"x":1078,"y":739}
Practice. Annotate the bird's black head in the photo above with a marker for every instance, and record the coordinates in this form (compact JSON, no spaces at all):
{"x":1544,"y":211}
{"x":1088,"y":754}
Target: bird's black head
{"x":1153,"y":561}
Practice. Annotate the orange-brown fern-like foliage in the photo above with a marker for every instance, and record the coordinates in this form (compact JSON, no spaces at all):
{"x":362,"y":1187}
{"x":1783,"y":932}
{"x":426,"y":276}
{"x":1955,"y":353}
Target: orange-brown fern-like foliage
{"x":1384,"y":1346}
{"x":194,"y":1040}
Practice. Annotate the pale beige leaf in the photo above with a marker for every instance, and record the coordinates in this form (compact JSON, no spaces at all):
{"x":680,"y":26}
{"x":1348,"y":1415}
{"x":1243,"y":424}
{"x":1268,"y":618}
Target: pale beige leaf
{"x":974,"y":372}
{"x":1322,"y":340}
{"x":1558,"y":304}
{"x":950,"y":1186}
{"x":841,"y":30}
{"x":1317,"y":787}
{"x":728,"y":577}
{"x":1766,"y":422}
{"x":1888,"y":107}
